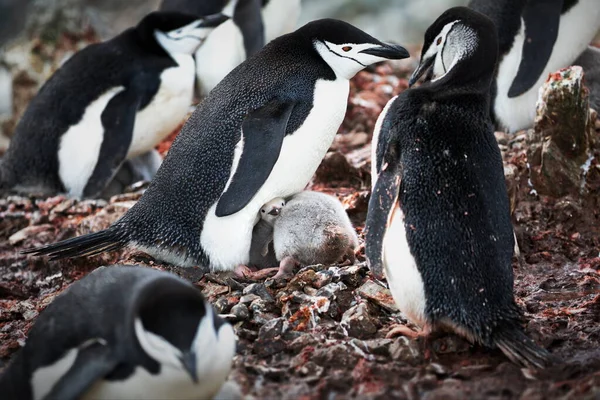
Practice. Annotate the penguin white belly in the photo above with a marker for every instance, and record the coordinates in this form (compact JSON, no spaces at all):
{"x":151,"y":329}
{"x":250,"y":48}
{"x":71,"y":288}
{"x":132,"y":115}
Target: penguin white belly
{"x":280,"y":17}
{"x":214,"y":60}
{"x":226,"y":240}
{"x":375,"y":140}
{"x":43,"y":379}
{"x":403,"y":277}
{"x":167,"y":109}
{"x":80,"y":145}
{"x":581,"y":23}
{"x":213,"y":363}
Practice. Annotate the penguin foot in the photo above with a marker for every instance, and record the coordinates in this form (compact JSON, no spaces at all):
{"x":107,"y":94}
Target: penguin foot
{"x":402,"y":330}
{"x":286,"y":268}
{"x":243,"y":271}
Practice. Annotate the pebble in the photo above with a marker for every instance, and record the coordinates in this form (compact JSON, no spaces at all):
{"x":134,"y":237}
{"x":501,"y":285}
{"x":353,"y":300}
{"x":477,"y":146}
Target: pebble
{"x":241,"y":312}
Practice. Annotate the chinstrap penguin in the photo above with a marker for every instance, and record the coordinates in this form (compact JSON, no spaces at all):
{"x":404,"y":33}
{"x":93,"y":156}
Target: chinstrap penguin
{"x":309,"y":228}
{"x":260,"y":134}
{"x":123,"y":333}
{"x":110,"y":102}
{"x":254,"y":23}
{"x":536,"y":38}
{"x":438,"y":221}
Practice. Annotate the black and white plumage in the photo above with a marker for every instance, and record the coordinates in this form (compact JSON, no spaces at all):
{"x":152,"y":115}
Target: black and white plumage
{"x":260,"y":134}
{"x":123,"y":333}
{"x":110,"y":102}
{"x":254,"y":23}
{"x":536,"y":38}
{"x":438,"y":221}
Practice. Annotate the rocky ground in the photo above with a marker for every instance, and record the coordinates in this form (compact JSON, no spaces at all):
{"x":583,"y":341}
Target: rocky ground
{"x":322,"y":334}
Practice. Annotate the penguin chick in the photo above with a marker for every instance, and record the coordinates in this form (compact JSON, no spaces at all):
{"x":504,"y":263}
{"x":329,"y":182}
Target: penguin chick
{"x":312,"y":228}
{"x":127,"y":333}
{"x":110,"y":102}
{"x":262,"y":253}
{"x":260,"y":134}
{"x":438,"y":221}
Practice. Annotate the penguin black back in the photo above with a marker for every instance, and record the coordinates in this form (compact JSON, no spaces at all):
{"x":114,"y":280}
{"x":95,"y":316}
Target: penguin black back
{"x":97,"y":317}
{"x":437,"y":152}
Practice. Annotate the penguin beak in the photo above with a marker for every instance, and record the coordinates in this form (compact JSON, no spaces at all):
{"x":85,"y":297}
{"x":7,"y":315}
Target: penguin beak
{"x":212,"y":21}
{"x":275,"y":211}
{"x":421,"y":69}
{"x":388,"y":51}
{"x":188,"y":360}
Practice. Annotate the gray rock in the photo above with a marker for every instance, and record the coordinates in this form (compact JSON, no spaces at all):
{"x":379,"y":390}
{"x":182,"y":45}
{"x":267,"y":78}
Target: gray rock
{"x":270,"y":339}
{"x":358,"y":323}
{"x":561,"y":143}
{"x":378,"y":295}
{"x":260,"y":290}
{"x":241,"y":312}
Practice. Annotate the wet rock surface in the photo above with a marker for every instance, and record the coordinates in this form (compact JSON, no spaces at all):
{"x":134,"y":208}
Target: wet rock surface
{"x":322,"y":334}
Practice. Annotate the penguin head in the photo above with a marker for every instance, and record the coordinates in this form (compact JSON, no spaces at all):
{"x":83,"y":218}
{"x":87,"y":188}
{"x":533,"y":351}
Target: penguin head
{"x":177,"y":328}
{"x":347,"y":49}
{"x":271,"y":210}
{"x":179,"y":33}
{"x":459,"y":40}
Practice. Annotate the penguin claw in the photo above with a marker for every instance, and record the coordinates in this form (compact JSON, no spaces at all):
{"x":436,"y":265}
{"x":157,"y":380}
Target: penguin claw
{"x":402,"y":330}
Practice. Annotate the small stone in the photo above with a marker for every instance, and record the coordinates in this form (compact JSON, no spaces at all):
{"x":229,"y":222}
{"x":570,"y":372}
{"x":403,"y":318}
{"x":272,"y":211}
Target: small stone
{"x":501,"y":138}
{"x":358,"y":323}
{"x":406,"y":350}
{"x":260,"y":290}
{"x":241,"y":312}
{"x":331,"y":290}
{"x":64,"y":206}
{"x":249,"y":298}
{"x":379,"y":347}
{"x":26,"y":233}
{"x":222,"y":305}
{"x":270,"y":339}
{"x":378,"y":295}
{"x":322,"y":278}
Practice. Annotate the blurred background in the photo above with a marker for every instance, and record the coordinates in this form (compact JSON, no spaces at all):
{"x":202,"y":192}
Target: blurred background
{"x":36,"y":36}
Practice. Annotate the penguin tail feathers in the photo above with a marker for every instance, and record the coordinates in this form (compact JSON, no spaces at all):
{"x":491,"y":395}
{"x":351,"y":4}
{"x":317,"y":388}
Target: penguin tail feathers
{"x":82,"y":246}
{"x":522,"y":350}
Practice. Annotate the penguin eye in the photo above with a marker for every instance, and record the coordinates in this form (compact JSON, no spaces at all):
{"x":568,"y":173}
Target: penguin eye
{"x":438,"y":41}
{"x":347,"y":48}
{"x":262,"y":211}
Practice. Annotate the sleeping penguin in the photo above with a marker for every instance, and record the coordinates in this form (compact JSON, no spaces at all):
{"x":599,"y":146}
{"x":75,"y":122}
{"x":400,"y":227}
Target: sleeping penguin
{"x":254,"y":23}
{"x":438,"y":221}
{"x":260,"y":134}
{"x":123,"y":333}
{"x":536,"y":38}
{"x":110,"y":102}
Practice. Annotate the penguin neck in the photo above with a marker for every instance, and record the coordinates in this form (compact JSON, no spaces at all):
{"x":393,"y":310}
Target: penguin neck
{"x":467,"y":75}
{"x":506,"y":15}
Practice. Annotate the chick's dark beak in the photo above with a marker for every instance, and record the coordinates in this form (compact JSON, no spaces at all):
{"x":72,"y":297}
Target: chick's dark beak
{"x":275,"y":211}
{"x":188,"y":360}
{"x":389,"y":51}
{"x":421,"y":69}
{"x":212,"y":21}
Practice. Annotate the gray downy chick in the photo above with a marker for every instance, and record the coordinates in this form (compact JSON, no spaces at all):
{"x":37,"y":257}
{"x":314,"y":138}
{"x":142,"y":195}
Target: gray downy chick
{"x":312,"y":228}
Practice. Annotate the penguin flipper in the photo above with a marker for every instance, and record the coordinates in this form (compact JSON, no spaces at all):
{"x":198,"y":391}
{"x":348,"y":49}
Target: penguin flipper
{"x":248,"y":17}
{"x":118,"y":120}
{"x":381,"y":207}
{"x":93,"y":363}
{"x":542,"y":19}
{"x":263,"y":131}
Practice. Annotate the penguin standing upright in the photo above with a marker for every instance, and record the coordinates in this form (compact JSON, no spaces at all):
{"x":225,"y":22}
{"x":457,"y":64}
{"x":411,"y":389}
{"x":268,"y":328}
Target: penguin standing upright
{"x":254,"y":23}
{"x":110,"y":102}
{"x":123,"y":333}
{"x":438,"y":221}
{"x":260,"y":134}
{"x":536,"y":38}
